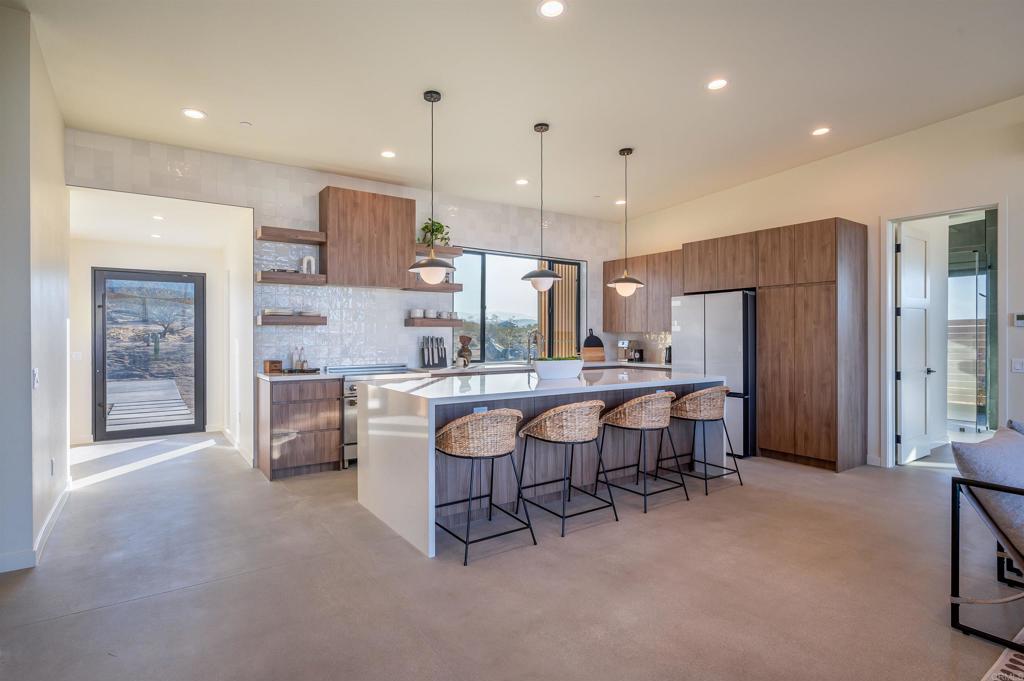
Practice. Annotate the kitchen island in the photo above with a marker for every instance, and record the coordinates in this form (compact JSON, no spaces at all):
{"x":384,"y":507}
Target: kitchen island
{"x":401,"y":478}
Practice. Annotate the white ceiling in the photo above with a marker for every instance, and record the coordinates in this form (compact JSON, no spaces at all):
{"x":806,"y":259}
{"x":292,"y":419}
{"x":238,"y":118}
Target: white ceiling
{"x":121,"y":217}
{"x":328,"y":85}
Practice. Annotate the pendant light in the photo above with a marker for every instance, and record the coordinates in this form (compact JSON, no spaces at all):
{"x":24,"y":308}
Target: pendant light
{"x":542,"y":278}
{"x":625,"y":285}
{"x":432,"y":269}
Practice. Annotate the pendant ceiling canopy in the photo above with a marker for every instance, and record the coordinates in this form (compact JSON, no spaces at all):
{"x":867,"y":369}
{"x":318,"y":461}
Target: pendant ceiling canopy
{"x":431,"y":269}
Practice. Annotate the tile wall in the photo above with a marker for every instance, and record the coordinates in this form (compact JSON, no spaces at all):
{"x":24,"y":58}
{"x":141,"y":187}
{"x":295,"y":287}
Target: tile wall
{"x":365,"y":326}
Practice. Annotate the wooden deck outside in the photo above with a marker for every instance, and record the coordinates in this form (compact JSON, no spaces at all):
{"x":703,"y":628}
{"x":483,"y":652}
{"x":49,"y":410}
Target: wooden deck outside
{"x":145,"y":403}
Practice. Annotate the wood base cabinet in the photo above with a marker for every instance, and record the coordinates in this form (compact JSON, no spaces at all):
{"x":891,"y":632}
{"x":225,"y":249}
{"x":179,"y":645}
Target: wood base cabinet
{"x":812,"y":353}
{"x":298,"y":428}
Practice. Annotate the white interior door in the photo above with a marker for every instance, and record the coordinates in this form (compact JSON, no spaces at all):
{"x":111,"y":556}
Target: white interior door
{"x":919,"y":420}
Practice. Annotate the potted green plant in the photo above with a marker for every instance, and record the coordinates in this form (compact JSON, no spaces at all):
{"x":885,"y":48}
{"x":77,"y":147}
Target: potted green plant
{"x":434,"y":232}
{"x":549,"y":368}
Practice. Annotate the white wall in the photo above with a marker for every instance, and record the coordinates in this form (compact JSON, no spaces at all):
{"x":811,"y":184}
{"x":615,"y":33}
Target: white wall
{"x":16,"y":522}
{"x":972,"y":160}
{"x":85,"y":255}
{"x":239,"y":400}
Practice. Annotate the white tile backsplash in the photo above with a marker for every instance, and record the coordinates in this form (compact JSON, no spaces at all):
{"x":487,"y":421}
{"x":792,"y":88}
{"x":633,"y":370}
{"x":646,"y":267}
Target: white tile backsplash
{"x":365,"y":326}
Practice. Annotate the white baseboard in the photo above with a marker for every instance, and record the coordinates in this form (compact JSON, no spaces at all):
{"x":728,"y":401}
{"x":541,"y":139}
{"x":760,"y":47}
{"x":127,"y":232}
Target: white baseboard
{"x":874,"y":460}
{"x":77,"y":440}
{"x":244,"y":453}
{"x":215,"y":429}
{"x":51,"y":520}
{"x":17,"y":560}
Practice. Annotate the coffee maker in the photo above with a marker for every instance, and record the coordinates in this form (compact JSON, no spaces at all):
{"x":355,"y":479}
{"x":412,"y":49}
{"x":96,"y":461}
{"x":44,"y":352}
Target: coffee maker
{"x":629,"y":351}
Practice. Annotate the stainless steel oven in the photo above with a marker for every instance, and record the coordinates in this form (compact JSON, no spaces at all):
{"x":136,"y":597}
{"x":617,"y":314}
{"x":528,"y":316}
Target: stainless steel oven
{"x":351,"y":375}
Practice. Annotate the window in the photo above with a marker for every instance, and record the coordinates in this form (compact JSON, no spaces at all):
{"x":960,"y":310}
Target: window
{"x":500,"y":311}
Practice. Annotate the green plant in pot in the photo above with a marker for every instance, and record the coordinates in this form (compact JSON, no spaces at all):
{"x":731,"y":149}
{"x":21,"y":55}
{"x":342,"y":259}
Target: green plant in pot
{"x":433,"y":233}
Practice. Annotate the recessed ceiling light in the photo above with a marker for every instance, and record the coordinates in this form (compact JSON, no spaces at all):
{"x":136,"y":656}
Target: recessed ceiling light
{"x":158,"y":217}
{"x":717,"y":84}
{"x":620,"y":202}
{"x":194,"y":113}
{"x":155,"y":236}
{"x":818,"y":132}
{"x":522,"y":180}
{"x":551,"y":8}
{"x":387,"y":153}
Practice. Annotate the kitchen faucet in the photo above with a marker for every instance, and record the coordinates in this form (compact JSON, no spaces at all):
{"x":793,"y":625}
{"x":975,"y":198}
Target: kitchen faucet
{"x":533,"y":340}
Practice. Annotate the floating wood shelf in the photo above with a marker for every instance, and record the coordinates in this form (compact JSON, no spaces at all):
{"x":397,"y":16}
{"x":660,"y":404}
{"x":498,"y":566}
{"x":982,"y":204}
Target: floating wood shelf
{"x":434,"y":288}
{"x":446,"y":252}
{"x":291,"y":236}
{"x":290,"y":320}
{"x":295,"y":278}
{"x":450,"y":323}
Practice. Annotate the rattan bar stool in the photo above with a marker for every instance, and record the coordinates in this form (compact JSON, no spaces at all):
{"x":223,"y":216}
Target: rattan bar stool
{"x":644,"y":414}
{"x":482,"y":437}
{"x":568,"y":425}
{"x":703,"y":406}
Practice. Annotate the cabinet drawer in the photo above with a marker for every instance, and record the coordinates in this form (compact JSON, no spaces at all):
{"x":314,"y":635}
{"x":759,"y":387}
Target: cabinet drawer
{"x":306,"y":390}
{"x":302,"y":416}
{"x":304,"y":449}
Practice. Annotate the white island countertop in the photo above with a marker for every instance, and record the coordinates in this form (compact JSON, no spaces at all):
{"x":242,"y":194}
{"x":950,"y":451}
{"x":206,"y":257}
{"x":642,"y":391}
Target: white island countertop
{"x":487,"y":387}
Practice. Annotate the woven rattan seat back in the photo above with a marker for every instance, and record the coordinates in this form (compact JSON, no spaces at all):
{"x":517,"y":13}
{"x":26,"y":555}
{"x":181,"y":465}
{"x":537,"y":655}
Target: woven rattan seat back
{"x":577,"y":422}
{"x":491,"y":433}
{"x":701,"y":405}
{"x":647,"y":412}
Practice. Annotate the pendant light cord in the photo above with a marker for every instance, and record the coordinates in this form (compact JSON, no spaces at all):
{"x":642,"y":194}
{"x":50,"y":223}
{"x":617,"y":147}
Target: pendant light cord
{"x":431,"y":175}
{"x":625,"y":208}
{"x":542,"y":195}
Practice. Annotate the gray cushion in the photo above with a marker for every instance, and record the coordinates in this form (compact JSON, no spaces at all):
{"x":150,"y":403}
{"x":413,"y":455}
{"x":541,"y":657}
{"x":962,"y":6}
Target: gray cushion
{"x":999,"y":460}
{"x":1016,"y":425}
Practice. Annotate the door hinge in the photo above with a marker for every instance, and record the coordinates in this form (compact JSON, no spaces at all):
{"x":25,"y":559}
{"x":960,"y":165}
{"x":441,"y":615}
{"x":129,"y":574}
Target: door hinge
{"x":899,"y":440}
{"x":899,"y":375}
{"x":899,"y":311}
{"x":899,"y":248}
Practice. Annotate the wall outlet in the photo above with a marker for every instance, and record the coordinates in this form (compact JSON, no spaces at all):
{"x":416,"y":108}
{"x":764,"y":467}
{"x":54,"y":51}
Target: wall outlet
{"x":35,"y":377}
{"x":479,"y":410}
{"x":1017,"y":366}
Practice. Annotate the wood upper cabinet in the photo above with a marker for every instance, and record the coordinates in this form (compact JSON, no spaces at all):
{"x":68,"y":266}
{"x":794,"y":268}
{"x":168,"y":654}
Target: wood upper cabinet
{"x":700,"y":266}
{"x":677,"y":287}
{"x":737,"y":262}
{"x":659,"y":291}
{"x":776,"y":253}
{"x":776,"y":358}
{"x":636,"y":304}
{"x":815,"y":251}
{"x":815,"y":370}
{"x":614,"y":308}
{"x":370,"y":238}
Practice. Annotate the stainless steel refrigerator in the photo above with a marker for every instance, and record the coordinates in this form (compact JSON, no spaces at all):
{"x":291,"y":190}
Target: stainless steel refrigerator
{"x":714,"y":333}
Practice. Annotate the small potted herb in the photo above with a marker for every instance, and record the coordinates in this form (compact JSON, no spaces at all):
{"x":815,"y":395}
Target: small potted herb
{"x":434,"y":233}
{"x":549,"y":368}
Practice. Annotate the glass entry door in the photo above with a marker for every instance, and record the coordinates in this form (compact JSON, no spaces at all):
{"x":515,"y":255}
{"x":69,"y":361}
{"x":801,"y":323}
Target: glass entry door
{"x":149,"y":340}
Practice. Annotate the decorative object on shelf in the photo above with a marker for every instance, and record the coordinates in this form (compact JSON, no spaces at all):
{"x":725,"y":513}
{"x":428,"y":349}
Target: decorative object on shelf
{"x":465,"y":353}
{"x":416,"y":313}
{"x":432,"y":269}
{"x":541,"y":278}
{"x":553,"y":368}
{"x":625,"y":285}
{"x":453,"y":315}
{"x":434,"y":352}
{"x":276,"y":311}
{"x":444,"y":314}
{"x":430,"y":314}
{"x":283,"y":270}
{"x":309,"y":265}
{"x":433,"y":232}
{"x":273,"y":366}
{"x":593,"y":348}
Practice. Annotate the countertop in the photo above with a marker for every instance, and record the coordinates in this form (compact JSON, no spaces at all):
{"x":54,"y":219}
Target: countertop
{"x":489,"y":387}
{"x":298,"y":377}
{"x":516,"y":367}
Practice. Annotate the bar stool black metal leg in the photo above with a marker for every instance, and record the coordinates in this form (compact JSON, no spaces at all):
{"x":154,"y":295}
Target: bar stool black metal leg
{"x":643,"y":456}
{"x":520,"y":474}
{"x":679,"y":466}
{"x":490,"y":493}
{"x":693,"y":447}
{"x":572,"y":460}
{"x":565,"y":478}
{"x":519,"y":496}
{"x":469,"y":511}
{"x":661,"y":444}
{"x":735,"y":459}
{"x":600,"y":447}
{"x":704,"y":437}
{"x":602,"y":469}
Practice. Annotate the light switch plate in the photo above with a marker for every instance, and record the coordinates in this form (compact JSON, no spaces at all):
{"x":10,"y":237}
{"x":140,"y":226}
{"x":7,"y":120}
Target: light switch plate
{"x":1017,"y":366}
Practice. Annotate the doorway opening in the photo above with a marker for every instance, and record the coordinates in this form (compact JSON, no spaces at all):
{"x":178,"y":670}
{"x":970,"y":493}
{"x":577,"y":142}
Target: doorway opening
{"x":946,"y":333}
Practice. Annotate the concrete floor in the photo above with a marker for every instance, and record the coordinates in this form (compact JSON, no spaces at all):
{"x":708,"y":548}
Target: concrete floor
{"x":198,"y":568}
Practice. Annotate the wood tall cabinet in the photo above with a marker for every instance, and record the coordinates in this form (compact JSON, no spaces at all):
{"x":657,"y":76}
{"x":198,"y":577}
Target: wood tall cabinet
{"x":812,"y":343}
{"x":298,"y":426}
{"x":659,"y":292}
{"x":370,"y":238}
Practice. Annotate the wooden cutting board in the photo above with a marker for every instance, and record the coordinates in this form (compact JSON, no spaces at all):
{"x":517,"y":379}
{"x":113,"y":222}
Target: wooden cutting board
{"x":593,"y":354}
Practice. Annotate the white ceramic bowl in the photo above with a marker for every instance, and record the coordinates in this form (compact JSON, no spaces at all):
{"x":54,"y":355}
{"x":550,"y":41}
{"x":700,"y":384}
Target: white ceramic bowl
{"x":561,"y":368}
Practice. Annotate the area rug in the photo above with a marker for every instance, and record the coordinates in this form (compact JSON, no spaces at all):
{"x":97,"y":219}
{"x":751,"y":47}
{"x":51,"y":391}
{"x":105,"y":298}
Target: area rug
{"x":1009,"y":666}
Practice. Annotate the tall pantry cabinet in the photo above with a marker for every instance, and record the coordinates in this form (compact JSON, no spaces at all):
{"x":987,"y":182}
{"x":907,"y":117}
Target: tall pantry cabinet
{"x":812,"y":343}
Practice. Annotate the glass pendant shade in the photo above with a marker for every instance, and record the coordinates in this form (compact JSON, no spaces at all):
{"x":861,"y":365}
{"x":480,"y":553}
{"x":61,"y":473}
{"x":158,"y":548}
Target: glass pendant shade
{"x":625,"y":285}
{"x":542,"y":279}
{"x":431,"y":269}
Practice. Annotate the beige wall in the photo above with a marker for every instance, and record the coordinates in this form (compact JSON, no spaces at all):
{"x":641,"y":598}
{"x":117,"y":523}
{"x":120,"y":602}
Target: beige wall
{"x":239,"y":399}
{"x":973,"y":160}
{"x":87,"y":254}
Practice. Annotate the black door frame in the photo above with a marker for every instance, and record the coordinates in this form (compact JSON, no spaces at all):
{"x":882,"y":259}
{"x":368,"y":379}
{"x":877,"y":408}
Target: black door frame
{"x":100,"y":275}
